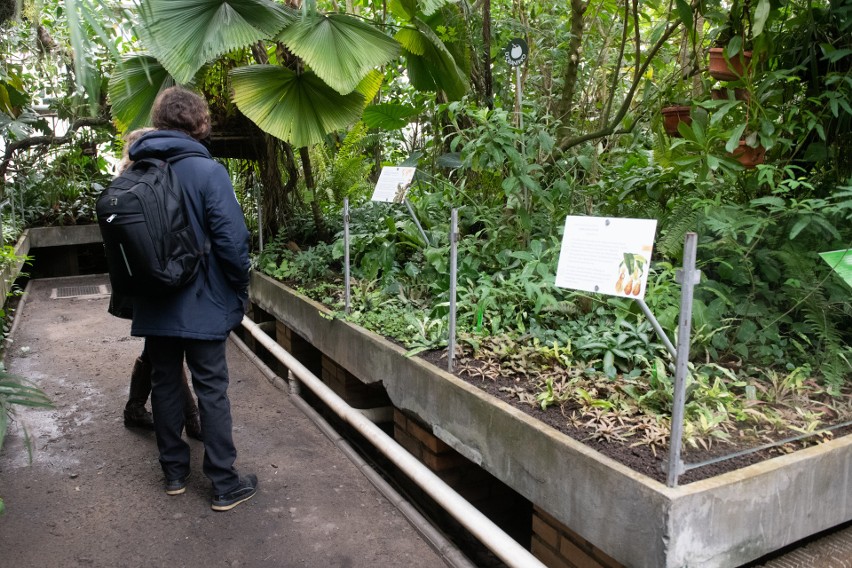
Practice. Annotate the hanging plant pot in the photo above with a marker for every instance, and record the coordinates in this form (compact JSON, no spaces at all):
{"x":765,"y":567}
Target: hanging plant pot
{"x":740,"y":94}
{"x":89,"y":148}
{"x":674,"y":115}
{"x":731,"y":69}
{"x":747,"y":155}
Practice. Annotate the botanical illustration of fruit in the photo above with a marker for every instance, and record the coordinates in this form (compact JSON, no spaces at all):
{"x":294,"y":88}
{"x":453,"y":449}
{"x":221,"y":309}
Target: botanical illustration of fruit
{"x":631,"y":274}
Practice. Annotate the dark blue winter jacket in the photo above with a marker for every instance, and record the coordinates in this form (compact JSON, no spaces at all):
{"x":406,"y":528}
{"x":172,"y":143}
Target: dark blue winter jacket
{"x":214,"y":303}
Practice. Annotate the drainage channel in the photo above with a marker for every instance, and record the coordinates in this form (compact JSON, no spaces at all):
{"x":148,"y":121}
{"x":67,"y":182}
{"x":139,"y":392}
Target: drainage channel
{"x":478,"y":525}
{"x":79,"y":291}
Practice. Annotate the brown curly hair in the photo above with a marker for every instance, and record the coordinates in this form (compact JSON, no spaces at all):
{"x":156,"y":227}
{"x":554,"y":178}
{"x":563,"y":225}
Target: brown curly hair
{"x":177,"y":108}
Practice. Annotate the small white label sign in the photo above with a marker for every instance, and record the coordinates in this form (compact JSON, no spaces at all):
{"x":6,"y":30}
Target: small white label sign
{"x":393,"y":184}
{"x":607,"y":255}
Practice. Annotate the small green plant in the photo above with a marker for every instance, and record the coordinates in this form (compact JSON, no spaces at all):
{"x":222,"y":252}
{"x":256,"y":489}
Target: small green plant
{"x":427,"y":334}
{"x":555,"y":392}
{"x":18,"y":391}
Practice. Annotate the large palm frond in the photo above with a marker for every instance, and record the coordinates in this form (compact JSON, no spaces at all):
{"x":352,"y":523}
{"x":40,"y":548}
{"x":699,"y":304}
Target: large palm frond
{"x":370,"y":85}
{"x":431,"y":66}
{"x":185,"y":34}
{"x":340,"y":49}
{"x":134,"y":85}
{"x":90,"y":25}
{"x":298,"y":108}
{"x":389,"y":116}
{"x":407,"y":9}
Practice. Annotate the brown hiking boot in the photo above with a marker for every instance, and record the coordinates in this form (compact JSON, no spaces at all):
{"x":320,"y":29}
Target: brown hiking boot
{"x":191,"y":419}
{"x":192,"y":425}
{"x":136,"y":416}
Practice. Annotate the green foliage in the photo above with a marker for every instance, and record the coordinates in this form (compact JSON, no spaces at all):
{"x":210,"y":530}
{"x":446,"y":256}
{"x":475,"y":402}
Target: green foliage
{"x":345,"y":173}
{"x":62,"y":193}
{"x":619,"y":348}
{"x":766,"y":289}
{"x":17,"y":391}
{"x":308,"y":266}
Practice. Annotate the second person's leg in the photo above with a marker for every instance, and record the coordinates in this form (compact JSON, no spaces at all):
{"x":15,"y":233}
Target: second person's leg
{"x":166,"y":357}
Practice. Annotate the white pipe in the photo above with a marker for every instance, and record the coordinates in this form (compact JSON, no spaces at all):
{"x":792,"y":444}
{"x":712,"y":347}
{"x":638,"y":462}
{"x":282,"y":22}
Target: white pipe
{"x":480,"y":526}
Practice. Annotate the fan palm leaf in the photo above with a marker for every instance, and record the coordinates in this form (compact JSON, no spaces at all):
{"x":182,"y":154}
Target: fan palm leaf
{"x":389,"y":116}
{"x":86,"y":75}
{"x":133,"y":87}
{"x":185,"y":34}
{"x":298,"y":108}
{"x":370,"y":85}
{"x":431,"y":66}
{"x":340,"y":49}
{"x":408,"y":9}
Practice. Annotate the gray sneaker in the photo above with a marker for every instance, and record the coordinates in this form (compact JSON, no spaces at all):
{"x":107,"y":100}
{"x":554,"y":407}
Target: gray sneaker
{"x":244,"y":491}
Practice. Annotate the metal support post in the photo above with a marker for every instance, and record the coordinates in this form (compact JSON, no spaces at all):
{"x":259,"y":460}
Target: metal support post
{"x":259,"y":223}
{"x":688,"y":279}
{"x":519,"y":97}
{"x":348,"y":290}
{"x":454,"y":239}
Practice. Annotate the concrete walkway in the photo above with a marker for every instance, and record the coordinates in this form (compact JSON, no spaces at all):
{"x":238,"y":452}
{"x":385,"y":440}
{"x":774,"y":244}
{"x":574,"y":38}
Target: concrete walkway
{"x":93,"y":494}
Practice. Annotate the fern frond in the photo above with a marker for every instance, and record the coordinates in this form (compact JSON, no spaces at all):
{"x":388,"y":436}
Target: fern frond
{"x":683,"y":219}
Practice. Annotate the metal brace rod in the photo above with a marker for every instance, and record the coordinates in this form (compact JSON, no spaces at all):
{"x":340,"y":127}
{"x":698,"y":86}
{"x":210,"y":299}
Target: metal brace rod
{"x":416,"y":222}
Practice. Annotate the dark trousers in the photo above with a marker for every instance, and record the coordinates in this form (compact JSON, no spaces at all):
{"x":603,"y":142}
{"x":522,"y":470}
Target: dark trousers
{"x":209,"y":370}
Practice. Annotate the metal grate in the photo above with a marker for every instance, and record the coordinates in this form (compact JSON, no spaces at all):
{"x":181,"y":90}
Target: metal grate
{"x":80,"y":291}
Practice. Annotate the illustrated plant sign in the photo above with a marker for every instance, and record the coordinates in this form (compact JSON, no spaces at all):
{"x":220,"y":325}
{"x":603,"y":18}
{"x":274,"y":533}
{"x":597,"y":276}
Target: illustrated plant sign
{"x":393,"y":184}
{"x":606,"y":255}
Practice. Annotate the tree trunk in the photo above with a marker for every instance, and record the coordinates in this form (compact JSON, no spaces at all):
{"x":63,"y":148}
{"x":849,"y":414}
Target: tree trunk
{"x":569,"y":76}
{"x":273,"y":192}
{"x":310,"y":184}
{"x":486,"y":56}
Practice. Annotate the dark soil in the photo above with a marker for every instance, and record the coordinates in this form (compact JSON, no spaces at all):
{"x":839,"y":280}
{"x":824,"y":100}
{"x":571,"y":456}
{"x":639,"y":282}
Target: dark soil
{"x":738,"y":450}
{"x":643,"y":458}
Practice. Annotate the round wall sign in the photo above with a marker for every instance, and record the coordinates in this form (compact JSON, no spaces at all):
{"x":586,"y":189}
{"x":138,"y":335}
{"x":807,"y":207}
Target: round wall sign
{"x":516,"y":52}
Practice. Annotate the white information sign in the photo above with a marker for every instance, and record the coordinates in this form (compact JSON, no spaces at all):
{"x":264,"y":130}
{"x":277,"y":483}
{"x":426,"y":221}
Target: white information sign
{"x":393,"y":184}
{"x":606,"y":255}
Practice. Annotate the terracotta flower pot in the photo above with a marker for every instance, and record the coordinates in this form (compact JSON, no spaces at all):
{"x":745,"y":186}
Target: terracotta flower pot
{"x":674,"y":115}
{"x":729,"y":70}
{"x":722,"y":94}
{"x":748,"y":156}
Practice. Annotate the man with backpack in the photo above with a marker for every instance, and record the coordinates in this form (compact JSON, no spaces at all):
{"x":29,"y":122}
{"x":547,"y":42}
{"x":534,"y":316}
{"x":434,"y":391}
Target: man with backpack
{"x":194,"y":319}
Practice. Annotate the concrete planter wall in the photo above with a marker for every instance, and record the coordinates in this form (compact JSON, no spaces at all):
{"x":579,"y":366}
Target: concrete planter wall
{"x":720,"y":522}
{"x":46,"y":237}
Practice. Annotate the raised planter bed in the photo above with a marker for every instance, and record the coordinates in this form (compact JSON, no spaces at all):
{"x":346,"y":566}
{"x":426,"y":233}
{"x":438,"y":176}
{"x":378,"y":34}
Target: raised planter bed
{"x":48,"y":238}
{"x":723,"y":521}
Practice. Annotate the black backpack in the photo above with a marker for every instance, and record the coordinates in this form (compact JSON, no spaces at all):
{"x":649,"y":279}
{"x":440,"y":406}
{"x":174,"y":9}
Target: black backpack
{"x":151,"y":249}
